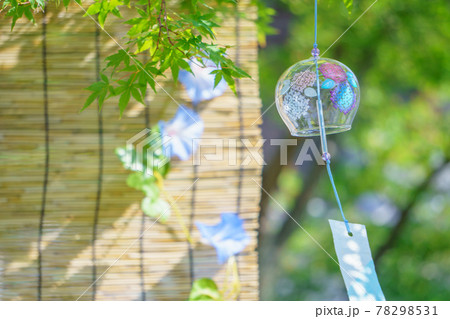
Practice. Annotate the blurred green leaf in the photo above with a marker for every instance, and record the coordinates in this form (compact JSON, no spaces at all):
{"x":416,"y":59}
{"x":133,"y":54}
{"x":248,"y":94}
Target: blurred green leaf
{"x":349,"y":5}
{"x":156,"y":208}
{"x":205,"y":289}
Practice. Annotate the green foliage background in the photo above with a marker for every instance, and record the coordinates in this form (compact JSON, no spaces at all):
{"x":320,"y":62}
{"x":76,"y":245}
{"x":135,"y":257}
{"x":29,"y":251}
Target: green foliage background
{"x":397,"y":148}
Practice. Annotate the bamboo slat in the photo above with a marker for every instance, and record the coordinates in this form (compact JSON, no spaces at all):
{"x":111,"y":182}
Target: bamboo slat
{"x":57,"y":250}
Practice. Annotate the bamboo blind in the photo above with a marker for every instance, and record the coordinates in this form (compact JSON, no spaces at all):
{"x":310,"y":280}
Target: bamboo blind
{"x":67,"y":215}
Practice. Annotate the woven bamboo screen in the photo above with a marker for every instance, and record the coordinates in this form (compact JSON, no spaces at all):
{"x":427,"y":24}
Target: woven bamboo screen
{"x":67,"y":216}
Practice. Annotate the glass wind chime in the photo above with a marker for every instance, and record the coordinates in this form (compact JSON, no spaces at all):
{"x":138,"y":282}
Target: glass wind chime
{"x":316,"y":97}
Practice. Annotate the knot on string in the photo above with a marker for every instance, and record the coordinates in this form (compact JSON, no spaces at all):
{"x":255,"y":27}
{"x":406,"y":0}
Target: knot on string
{"x":326,"y":157}
{"x":315,"y":52}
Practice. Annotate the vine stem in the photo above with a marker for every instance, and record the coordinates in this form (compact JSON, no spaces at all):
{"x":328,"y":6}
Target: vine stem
{"x":235,"y":283}
{"x":160,"y":184}
{"x":225,"y":283}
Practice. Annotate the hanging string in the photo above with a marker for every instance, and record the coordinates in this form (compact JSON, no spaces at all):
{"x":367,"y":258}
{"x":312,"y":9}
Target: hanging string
{"x":323,"y":137}
{"x":315,"y":24}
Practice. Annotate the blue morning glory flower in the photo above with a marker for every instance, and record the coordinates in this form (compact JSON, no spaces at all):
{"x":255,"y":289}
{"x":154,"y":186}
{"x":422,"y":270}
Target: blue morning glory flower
{"x":200,"y":85}
{"x":180,"y":136}
{"x":228,"y":237}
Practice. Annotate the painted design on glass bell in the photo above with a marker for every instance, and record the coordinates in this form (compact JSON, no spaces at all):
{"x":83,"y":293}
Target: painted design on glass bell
{"x":286,"y":86}
{"x":295,"y":105}
{"x":328,"y":84}
{"x":296,"y":101}
{"x":341,"y":84}
{"x":303,"y":79}
{"x":310,"y":92}
{"x":297,"y":92}
{"x":333,"y":71}
{"x":351,"y":79}
{"x":343,"y":97}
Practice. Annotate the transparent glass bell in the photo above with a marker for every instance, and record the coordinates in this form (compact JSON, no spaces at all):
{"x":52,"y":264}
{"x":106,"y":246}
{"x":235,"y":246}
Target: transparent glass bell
{"x":296,"y":97}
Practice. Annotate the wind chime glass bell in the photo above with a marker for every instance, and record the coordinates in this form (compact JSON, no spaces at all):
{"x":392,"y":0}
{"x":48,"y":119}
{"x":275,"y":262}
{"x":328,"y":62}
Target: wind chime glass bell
{"x":296,"y":96}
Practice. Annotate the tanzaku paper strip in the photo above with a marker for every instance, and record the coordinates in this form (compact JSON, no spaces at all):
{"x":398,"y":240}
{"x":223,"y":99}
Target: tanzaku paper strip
{"x":356,"y":263}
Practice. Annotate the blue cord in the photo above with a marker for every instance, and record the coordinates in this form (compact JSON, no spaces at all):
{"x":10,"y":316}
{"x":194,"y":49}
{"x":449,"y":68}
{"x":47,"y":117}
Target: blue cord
{"x":337,"y":197}
{"x":323,"y":136}
{"x":315,"y":24}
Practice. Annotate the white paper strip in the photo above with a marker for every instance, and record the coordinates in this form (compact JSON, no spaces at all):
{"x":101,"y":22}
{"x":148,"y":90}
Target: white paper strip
{"x":355,"y":260}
